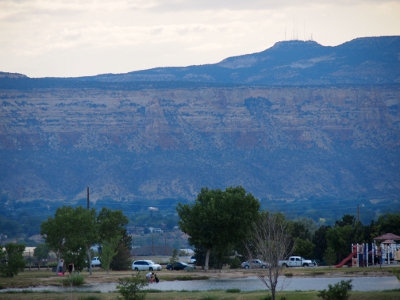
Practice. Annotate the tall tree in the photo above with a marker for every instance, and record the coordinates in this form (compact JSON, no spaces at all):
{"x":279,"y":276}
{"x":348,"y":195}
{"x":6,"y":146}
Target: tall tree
{"x":389,"y":223}
{"x":111,"y":223}
{"x":270,"y":240}
{"x":108,"y":251}
{"x":303,"y":248}
{"x":340,"y":239}
{"x":320,"y":242}
{"x":41,"y":252}
{"x":71,"y":230}
{"x":11,"y":260}
{"x":218,"y":219}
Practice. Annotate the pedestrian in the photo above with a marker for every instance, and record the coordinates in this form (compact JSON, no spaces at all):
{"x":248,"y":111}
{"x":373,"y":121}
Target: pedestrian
{"x":156,"y":278}
{"x":60,"y":267}
{"x":148,"y":277}
{"x":152,"y":277}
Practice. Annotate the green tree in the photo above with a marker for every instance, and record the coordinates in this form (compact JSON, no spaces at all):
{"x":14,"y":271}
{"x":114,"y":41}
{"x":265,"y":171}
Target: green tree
{"x":11,"y":260}
{"x":122,"y":261}
{"x":320,"y":242}
{"x":340,"y":239}
{"x":111,"y":223}
{"x":174,"y":258}
{"x":218,"y":220}
{"x":63,"y":234}
{"x":330,"y":256}
{"x":41,"y":252}
{"x":388,"y":223}
{"x":108,"y":251}
{"x":303,"y":248}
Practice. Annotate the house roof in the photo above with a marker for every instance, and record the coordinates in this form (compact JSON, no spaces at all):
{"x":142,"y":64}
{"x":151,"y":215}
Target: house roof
{"x":387,"y":236}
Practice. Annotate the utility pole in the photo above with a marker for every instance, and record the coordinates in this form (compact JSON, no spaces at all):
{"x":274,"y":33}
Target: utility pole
{"x":152,"y":243}
{"x":87,"y":198}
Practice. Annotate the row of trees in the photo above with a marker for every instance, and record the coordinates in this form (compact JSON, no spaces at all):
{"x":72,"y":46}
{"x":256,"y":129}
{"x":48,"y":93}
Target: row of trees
{"x":223,"y":223}
{"x":73,"y":231}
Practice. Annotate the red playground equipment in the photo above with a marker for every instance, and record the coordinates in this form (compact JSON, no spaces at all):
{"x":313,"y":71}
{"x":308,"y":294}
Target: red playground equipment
{"x":344,"y":261}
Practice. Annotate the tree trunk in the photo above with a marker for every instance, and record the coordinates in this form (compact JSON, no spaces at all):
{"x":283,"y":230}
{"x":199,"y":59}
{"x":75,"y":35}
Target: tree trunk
{"x":207,"y":259}
{"x":89,"y":255}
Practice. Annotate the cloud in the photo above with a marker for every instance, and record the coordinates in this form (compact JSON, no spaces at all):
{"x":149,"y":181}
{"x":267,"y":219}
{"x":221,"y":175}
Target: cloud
{"x":38,"y":37}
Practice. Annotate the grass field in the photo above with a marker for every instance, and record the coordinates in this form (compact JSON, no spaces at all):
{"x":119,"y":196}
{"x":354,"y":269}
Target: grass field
{"x":46,"y":278}
{"x":201,"y":295}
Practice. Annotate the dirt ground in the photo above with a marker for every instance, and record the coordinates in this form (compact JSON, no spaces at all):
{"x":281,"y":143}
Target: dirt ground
{"x":323,"y":272}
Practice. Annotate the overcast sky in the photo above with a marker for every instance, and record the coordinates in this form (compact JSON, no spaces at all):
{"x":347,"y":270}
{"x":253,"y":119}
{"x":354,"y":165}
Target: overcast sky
{"x":69,"y":38}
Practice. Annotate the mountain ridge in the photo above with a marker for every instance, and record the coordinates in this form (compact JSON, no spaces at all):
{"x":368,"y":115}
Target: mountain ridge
{"x":280,"y":136}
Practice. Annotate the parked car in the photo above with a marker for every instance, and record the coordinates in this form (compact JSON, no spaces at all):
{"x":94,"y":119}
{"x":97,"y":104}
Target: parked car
{"x":180,"y":266}
{"x":254,"y":263}
{"x":96,"y":262}
{"x":145,"y":265}
{"x":297,"y":261}
{"x":192,"y":260}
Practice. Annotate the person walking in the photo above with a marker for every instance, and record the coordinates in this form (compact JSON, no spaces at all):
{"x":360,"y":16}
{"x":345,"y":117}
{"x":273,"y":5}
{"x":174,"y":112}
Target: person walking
{"x":60,"y":266}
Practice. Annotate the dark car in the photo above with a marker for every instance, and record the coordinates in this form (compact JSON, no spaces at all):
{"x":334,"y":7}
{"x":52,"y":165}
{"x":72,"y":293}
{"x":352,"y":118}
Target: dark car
{"x":180,"y":266}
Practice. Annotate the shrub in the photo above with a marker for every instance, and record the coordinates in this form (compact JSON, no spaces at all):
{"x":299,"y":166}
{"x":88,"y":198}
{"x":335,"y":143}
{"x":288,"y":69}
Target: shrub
{"x":397,"y":273}
{"x":233,"y":291}
{"x":73,"y":280}
{"x":11,"y":260}
{"x":130,"y":287}
{"x":234,"y":263}
{"x":288,"y":274}
{"x":338,"y":291}
{"x":90,"y":298}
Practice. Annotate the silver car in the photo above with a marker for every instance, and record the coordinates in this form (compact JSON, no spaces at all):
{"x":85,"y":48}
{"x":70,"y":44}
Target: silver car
{"x":145,"y":265}
{"x":254,"y":264}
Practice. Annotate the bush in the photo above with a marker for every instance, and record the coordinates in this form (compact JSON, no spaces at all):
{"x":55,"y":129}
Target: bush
{"x":90,"y":298}
{"x":233,"y":291}
{"x":234,"y":263}
{"x":11,"y":260}
{"x":338,"y":291}
{"x":130,"y":287}
{"x":397,"y":273}
{"x":73,"y":280}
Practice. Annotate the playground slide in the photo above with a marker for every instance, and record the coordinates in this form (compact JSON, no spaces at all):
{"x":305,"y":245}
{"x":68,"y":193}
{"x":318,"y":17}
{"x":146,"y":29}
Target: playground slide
{"x":345,"y":260}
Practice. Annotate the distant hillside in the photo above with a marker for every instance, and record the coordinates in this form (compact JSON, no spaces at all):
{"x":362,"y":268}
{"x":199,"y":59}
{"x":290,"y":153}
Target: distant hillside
{"x":360,"y":61}
{"x":296,"y":121}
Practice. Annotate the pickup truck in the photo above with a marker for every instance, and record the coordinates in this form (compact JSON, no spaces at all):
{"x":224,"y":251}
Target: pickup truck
{"x":296,"y":261}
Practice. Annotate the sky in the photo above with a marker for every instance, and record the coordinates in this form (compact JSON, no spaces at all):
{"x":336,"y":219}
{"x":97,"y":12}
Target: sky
{"x":72,"y":38}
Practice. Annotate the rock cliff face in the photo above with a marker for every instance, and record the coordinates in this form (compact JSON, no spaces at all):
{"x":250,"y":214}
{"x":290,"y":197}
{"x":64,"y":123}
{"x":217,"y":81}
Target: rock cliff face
{"x":129,"y":140}
{"x":287,"y":142}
